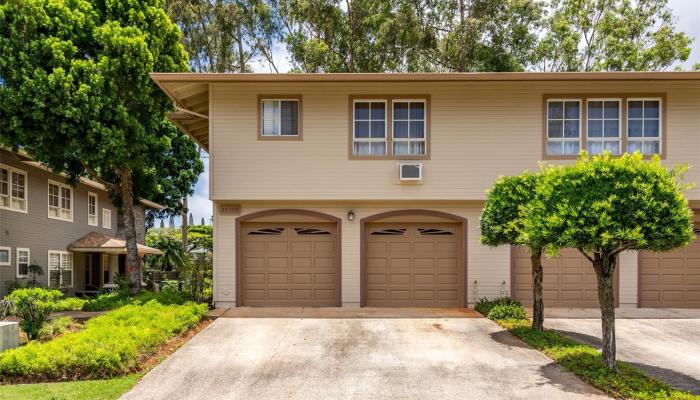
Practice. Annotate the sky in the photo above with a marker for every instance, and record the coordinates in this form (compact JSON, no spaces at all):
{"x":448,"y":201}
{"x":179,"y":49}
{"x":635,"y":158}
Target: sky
{"x":688,"y":21}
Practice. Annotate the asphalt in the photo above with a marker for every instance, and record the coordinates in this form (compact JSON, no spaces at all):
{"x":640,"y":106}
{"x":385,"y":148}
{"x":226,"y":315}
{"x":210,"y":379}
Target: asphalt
{"x":663,"y":343}
{"x":358,"y":358}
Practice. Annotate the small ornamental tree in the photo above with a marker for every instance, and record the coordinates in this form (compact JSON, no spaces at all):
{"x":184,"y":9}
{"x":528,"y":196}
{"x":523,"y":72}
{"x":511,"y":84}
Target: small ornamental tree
{"x":501,"y":224}
{"x":604,"y":205}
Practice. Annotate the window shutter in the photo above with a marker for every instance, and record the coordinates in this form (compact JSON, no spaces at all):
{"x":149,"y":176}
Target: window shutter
{"x":290,"y":117}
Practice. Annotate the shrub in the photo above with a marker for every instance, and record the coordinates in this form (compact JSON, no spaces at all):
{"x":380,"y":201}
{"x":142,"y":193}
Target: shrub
{"x":114,"y":300}
{"x":11,"y":286}
{"x":39,"y":294}
{"x":55,"y":327}
{"x":32,"y":306}
{"x":109,"y":345}
{"x":507,"y":311}
{"x":484,"y":305}
{"x":68,"y":304}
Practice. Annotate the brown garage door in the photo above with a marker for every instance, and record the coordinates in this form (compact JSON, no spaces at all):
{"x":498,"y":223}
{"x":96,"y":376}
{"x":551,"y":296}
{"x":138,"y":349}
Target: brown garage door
{"x":287,"y":264}
{"x":569,"y":280}
{"x":670,"y":279}
{"x":413,"y":265}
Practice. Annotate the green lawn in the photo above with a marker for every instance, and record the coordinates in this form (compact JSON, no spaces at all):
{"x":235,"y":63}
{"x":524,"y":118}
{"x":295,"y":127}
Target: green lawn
{"x":80,"y":390}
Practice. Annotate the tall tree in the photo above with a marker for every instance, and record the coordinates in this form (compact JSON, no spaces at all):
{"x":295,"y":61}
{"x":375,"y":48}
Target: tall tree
{"x":226,"y":35}
{"x":353,"y":35}
{"x":610,"y":35}
{"x":482,"y":35}
{"x":502,"y":224}
{"x":604,"y":205}
{"x":76,"y":93}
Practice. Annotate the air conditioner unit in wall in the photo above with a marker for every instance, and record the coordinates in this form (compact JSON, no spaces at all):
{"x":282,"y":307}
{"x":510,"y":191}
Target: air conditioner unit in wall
{"x":410,"y":171}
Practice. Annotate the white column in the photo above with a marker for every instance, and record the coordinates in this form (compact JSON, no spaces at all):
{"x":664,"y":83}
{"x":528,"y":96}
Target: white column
{"x":113,"y":266}
{"x":629,"y":279}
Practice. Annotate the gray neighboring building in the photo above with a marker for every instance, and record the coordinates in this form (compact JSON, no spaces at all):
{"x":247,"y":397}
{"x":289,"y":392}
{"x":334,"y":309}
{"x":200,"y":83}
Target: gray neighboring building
{"x":72,"y":232}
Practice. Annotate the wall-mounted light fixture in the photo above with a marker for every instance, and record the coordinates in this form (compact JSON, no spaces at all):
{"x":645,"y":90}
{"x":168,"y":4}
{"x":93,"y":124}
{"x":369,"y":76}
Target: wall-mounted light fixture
{"x":351,"y":215}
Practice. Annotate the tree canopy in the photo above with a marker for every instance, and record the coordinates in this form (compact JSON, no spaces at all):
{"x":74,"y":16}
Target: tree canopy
{"x":76,"y":95}
{"x":501,"y":220}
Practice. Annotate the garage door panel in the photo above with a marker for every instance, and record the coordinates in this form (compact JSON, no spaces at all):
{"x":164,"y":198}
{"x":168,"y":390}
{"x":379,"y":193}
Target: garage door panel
{"x":287,"y":264}
{"x":569,"y":280}
{"x":423,"y":265}
{"x":670,"y":279}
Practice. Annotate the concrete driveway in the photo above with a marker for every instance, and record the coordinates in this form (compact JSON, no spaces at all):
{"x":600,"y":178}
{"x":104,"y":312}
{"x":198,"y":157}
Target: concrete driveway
{"x":663,"y":343}
{"x":361,"y":357}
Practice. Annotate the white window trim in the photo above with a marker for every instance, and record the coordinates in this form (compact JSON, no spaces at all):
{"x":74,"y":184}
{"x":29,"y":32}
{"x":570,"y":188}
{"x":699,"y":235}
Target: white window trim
{"x":9,"y":255}
{"x":370,"y":139}
{"x":107,"y":218}
{"x":645,"y":139}
{"x":619,"y":122}
{"x":424,"y":139}
{"x":48,"y":204}
{"x":61,"y":254}
{"x":97,"y":218}
{"x":564,"y":139}
{"x":279,"y":125}
{"x":10,"y":170}
{"x":19,"y":249}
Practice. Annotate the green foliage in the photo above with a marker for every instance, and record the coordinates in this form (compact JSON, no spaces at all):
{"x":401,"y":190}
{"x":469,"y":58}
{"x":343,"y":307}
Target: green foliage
{"x":68,"y":304}
{"x":109,"y":389}
{"x":33,"y":306}
{"x":610,"y":204}
{"x":484,"y":305}
{"x":115,"y":300}
{"x":501,"y":219}
{"x":174,"y":256}
{"x":55,"y":327}
{"x":109,"y":345}
{"x":507,"y":311}
{"x":37,"y":294}
{"x":585,"y":361}
{"x":611,"y":35}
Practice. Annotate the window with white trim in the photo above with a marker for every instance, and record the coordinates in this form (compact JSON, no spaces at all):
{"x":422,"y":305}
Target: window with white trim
{"x":5,"y":255}
{"x":22,"y":263}
{"x":280,"y":117}
{"x":369,"y":128}
{"x":107,"y":218}
{"x":408,"y":133}
{"x":563,"y":127}
{"x":13,"y":188}
{"x":603,"y":126}
{"x":60,"y":201}
{"x":92,"y":209}
{"x":60,"y":269}
{"x":644,"y":126}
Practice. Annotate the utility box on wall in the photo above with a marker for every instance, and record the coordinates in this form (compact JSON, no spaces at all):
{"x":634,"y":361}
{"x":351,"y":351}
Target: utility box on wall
{"x":9,"y":335}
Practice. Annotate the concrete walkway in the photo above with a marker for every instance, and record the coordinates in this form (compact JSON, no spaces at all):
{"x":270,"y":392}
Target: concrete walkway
{"x":663,"y":343}
{"x":424,"y":357}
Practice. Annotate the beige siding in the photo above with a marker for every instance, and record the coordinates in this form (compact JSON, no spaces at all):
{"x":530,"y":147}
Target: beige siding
{"x":479,"y":130}
{"x":488,"y":269}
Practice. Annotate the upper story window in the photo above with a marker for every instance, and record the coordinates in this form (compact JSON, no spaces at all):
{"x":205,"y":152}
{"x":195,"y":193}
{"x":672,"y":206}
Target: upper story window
{"x":644,"y":125}
{"x":92,"y":209}
{"x":604,"y":126}
{"x":409,"y":128}
{"x":280,"y":117}
{"x":617,"y":124}
{"x":13,"y":188}
{"x":563,"y":127}
{"x":369,"y":128}
{"x":107,"y":218}
{"x":386,"y":127}
{"x":60,"y":201}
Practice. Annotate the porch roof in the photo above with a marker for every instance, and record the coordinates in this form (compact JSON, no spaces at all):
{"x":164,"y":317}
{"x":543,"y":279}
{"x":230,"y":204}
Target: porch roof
{"x":103,"y":243}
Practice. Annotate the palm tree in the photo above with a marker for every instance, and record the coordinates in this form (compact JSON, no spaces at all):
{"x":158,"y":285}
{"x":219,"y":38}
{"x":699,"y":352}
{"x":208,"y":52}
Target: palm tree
{"x":173,"y":257}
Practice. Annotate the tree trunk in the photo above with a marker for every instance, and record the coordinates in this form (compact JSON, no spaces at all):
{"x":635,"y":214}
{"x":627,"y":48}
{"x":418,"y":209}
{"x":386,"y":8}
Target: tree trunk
{"x":133,"y":263}
{"x":241,"y":56}
{"x":537,"y":300}
{"x":604,"y":266}
{"x":185,"y":222}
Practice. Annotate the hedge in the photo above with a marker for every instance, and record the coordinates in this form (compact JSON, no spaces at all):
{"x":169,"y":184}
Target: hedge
{"x":110,"y":345}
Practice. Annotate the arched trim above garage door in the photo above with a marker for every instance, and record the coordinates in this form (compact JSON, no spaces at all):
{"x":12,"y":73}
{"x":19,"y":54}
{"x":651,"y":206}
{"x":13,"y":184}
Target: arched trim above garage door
{"x":305,"y":215}
{"x":405,"y":215}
